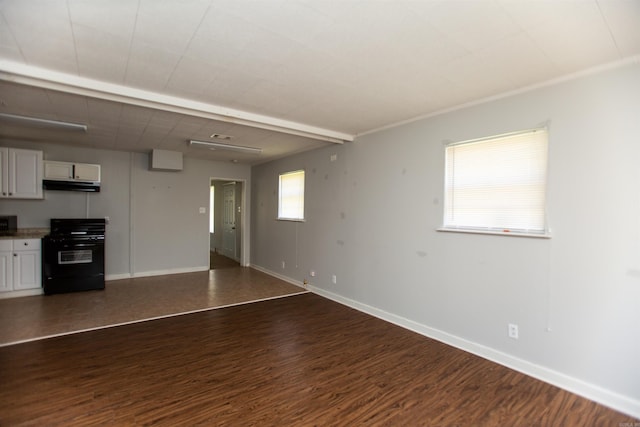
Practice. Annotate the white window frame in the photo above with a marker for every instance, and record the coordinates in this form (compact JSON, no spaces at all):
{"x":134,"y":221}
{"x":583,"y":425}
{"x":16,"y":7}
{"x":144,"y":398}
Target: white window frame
{"x":490,"y":206}
{"x":287,"y":211}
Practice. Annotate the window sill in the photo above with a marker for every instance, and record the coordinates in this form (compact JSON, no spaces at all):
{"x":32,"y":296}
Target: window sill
{"x":290,"y":219}
{"x":496,"y":233}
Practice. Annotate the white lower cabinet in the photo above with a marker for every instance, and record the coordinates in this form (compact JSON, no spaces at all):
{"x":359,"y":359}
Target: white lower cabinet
{"x":6,"y":266}
{"x":20,"y":265}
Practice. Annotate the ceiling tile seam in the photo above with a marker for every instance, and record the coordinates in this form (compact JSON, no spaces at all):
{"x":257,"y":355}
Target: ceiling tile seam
{"x":48,"y":95}
{"x":544,"y":51}
{"x":267,"y":28}
{"x":635,"y":59}
{"x":133,"y":34}
{"x":186,"y":48}
{"x":613,"y":38}
{"x":168,"y":132}
{"x":13,"y":36}
{"x":118,"y":131}
{"x":73,"y":37}
{"x":532,"y":39}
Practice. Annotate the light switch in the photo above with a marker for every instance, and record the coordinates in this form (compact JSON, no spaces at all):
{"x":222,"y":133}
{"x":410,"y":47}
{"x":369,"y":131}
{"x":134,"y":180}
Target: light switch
{"x":203,"y":210}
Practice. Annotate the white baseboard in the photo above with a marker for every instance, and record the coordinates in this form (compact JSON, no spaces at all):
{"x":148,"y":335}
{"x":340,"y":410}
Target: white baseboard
{"x":587,"y":390}
{"x":22,"y":293}
{"x":279,"y":276}
{"x":170,"y":271}
{"x":121,"y":276}
{"x":109,"y":277}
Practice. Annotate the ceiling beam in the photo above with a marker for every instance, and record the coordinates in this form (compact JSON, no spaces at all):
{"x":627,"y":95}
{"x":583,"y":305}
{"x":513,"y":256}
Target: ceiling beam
{"x":47,"y":79}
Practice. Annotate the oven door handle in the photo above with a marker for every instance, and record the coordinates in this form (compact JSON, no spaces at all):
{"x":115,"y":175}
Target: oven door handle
{"x":89,"y":244}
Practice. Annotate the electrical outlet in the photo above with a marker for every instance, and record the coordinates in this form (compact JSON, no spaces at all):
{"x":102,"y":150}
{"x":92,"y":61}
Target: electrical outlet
{"x":312,"y":273}
{"x":513,"y":331}
{"x":334,"y":279}
{"x":283,"y":265}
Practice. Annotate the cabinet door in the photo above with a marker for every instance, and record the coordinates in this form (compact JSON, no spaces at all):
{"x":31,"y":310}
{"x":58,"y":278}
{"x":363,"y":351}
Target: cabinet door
{"x":25,"y":174}
{"x":4,"y":172}
{"x":6,"y":268}
{"x":26,"y":270}
{"x":86,"y":172}
{"x":58,"y":170}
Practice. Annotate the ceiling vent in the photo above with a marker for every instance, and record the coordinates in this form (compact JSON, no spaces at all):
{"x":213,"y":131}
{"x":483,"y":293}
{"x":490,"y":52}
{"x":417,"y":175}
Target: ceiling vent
{"x":221,"y":137}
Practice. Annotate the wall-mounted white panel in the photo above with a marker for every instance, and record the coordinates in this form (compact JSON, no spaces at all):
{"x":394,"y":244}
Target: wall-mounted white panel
{"x":166,"y":160}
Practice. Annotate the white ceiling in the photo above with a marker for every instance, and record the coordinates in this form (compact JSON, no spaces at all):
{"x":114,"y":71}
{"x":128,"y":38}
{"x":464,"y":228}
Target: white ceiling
{"x":154,"y":73}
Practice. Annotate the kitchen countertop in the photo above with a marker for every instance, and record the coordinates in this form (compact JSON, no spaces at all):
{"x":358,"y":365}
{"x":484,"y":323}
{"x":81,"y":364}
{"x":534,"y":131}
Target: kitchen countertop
{"x":27,"y":233}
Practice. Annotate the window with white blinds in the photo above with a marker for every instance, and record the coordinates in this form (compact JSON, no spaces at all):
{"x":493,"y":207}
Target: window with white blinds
{"x":497,"y":184}
{"x":291,"y":196}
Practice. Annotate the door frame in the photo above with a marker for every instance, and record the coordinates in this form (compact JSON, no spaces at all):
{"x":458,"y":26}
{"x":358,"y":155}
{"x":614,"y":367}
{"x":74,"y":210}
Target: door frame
{"x":244,"y":219}
{"x":230,"y":188}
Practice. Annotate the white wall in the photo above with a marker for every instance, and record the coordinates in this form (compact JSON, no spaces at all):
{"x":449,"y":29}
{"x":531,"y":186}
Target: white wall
{"x":371,"y":219}
{"x":155,"y":225}
{"x":166,"y":214}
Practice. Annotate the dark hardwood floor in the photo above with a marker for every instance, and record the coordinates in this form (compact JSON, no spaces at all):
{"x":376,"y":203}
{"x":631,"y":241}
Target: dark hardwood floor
{"x":296,"y":361}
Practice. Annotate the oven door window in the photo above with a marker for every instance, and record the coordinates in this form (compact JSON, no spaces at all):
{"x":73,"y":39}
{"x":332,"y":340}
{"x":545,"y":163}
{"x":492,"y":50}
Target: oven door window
{"x":81,"y":256}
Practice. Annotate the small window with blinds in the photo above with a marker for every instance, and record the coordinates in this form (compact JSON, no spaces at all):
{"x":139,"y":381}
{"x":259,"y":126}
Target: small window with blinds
{"x":291,"y":196}
{"x":497,"y":185}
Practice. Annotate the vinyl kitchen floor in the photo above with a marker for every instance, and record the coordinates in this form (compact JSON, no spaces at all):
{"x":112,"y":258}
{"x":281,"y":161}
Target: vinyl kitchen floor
{"x":132,"y":300}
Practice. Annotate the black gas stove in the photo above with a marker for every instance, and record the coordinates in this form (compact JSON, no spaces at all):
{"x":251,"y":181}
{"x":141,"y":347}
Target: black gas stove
{"x":73,"y":255}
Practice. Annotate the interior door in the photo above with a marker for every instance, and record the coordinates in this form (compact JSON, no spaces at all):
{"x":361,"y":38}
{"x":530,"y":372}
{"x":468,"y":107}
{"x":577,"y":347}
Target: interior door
{"x":229,"y":221}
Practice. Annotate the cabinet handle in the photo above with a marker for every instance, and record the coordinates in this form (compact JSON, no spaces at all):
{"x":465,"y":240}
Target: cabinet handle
{"x":15,"y":254}
{"x":26,"y":244}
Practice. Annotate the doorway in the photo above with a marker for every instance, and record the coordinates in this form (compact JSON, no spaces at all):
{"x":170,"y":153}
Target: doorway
{"x":226,"y":223}
{"x":229,"y":220}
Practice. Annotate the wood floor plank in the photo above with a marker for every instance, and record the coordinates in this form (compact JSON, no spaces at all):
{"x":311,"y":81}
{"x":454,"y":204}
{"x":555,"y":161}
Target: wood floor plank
{"x":297,"y":361}
{"x":135,"y":299}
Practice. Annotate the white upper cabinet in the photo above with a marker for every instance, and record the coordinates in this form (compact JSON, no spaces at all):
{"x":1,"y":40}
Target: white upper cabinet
{"x":71,"y":171}
{"x":20,"y":173}
{"x":86,"y":172}
{"x":58,"y":170}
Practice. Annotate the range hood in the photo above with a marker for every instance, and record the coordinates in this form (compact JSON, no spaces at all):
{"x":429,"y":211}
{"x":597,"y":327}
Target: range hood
{"x":71,"y":185}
